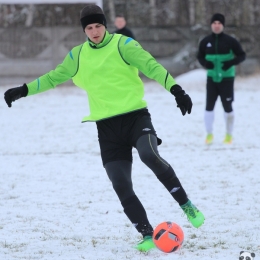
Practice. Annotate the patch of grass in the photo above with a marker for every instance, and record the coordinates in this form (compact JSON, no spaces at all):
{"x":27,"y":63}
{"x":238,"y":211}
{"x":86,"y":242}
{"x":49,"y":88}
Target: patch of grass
{"x":224,"y":247}
{"x":83,"y":207}
{"x":94,"y":242}
{"x":192,"y":236}
{"x":190,"y":245}
{"x":13,"y":246}
{"x":77,"y":239}
{"x":12,"y":197}
{"x":202,"y":187}
{"x":219,"y":243}
{"x":249,"y":248}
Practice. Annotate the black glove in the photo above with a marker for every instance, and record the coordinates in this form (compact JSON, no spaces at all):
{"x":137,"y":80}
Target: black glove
{"x":183,"y":100}
{"x":227,"y":64}
{"x":209,"y":65}
{"x":13,"y":94}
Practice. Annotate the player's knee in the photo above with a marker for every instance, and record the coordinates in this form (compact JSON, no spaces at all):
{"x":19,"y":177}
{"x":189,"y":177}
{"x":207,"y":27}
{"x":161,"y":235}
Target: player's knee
{"x":228,"y":108}
{"x":154,"y":162}
{"x":148,"y":157}
{"x":210,"y":107}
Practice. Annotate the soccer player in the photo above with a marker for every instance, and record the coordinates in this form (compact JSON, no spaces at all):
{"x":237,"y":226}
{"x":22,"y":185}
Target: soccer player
{"x":106,"y":67}
{"x":219,"y":53}
{"x":121,"y":27}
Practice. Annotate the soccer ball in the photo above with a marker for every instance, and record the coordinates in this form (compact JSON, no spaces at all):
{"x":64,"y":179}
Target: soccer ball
{"x":168,"y":237}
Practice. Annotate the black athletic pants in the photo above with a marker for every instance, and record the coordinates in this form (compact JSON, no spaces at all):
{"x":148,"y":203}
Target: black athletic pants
{"x":119,"y":172}
{"x":224,"y":89}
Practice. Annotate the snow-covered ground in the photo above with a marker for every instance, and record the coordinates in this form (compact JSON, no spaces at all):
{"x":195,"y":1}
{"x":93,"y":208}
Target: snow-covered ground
{"x":56,"y":201}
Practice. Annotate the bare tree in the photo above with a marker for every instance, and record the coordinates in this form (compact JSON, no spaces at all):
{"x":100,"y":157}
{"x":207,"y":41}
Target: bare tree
{"x":29,"y":18}
{"x":251,"y":10}
{"x":192,"y":11}
{"x":111,"y":6}
{"x":153,"y":11}
{"x":200,"y":11}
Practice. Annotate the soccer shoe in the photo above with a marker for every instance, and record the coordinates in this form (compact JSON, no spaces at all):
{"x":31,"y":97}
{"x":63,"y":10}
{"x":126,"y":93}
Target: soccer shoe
{"x":209,"y":139}
{"x":146,"y":244}
{"x":193,"y":214}
{"x":228,"y":139}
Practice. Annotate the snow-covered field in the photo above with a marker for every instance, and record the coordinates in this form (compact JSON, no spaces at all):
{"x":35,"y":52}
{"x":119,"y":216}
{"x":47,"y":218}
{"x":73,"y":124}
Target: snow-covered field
{"x":56,"y":201}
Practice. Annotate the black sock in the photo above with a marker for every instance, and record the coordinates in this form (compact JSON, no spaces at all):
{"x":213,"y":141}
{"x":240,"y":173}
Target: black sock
{"x":173,"y":185}
{"x":137,"y":215}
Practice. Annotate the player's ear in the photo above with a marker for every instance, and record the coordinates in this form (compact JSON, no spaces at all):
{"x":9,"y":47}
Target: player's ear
{"x":253,"y":254}
{"x":241,"y":252}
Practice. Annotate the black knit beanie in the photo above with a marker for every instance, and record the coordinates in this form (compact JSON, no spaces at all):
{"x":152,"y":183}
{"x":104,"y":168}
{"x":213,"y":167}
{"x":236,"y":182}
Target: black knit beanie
{"x":92,"y":13}
{"x":218,"y":17}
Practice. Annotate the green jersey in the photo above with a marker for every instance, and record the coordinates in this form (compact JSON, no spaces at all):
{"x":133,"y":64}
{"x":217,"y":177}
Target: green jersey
{"x":108,"y":72}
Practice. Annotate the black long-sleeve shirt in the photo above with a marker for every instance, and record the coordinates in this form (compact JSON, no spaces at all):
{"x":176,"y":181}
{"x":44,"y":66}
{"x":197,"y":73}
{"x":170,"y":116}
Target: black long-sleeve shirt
{"x":218,"y":53}
{"x":222,"y":43}
{"x":125,"y":31}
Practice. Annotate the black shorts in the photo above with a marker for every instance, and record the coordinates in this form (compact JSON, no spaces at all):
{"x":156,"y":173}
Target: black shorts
{"x":224,"y":89}
{"x":118,"y":135}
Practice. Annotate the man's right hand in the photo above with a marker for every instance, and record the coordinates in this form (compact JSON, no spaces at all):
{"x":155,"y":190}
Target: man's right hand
{"x":13,"y":94}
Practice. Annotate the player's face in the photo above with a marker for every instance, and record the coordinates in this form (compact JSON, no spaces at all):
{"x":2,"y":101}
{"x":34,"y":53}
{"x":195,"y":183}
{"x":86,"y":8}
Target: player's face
{"x":95,"y":32}
{"x":120,"y":22}
{"x":217,"y":27}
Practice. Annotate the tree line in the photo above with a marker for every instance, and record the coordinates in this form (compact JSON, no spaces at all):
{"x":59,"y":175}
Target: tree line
{"x":184,"y":12}
{"x":154,"y":13}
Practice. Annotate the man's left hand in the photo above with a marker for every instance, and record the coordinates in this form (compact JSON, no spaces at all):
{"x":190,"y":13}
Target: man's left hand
{"x":183,"y":100}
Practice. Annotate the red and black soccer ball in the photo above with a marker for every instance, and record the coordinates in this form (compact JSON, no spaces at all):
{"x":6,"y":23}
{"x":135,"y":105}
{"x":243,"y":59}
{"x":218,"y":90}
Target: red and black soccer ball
{"x":168,"y":237}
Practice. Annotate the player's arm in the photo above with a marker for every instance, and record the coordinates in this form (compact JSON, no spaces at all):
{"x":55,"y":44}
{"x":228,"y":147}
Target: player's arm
{"x":238,"y":51}
{"x":134,"y":55}
{"x":62,"y":73}
{"x":201,"y":56}
{"x":240,"y":55}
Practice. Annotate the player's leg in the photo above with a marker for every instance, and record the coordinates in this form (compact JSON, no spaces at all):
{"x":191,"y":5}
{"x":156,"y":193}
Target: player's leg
{"x":146,"y":146}
{"x":117,"y":159}
{"x":145,"y":140}
{"x":119,"y":172}
{"x":227,"y":97}
{"x":211,"y":98}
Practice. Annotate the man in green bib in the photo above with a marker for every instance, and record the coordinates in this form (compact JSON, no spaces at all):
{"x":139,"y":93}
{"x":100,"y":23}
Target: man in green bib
{"x":106,"y":67}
